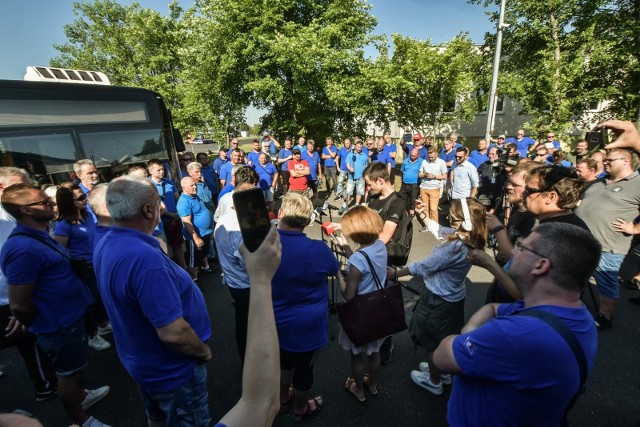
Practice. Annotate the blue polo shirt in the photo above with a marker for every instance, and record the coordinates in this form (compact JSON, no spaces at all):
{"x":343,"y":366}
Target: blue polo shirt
{"x":225,"y":172}
{"x":201,"y":217}
{"x":59,"y":296}
{"x":143,"y":290}
{"x":410,"y":171}
{"x":166,"y":190}
{"x":204,"y":194}
{"x":388,"y":149}
{"x":313,"y":160}
{"x":80,"y":235}
{"x":381,"y":157}
{"x":210,"y":178}
{"x":477,"y":158}
{"x":283,"y":154}
{"x":100,"y":231}
{"x":226,"y":189}
{"x":358,"y":162}
{"x":343,"y":153}
{"x":448,"y":157}
{"x":253,"y":157}
{"x":218,"y":163}
{"x":265,"y":175}
{"x":330,"y":162}
{"x":523,"y":145}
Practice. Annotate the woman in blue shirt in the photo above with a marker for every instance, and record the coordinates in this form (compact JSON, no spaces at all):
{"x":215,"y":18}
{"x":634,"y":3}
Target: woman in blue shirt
{"x":74,"y":230}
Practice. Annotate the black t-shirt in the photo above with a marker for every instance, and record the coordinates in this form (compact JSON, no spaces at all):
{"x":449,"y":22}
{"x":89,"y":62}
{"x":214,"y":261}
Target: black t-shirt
{"x":520,"y":225}
{"x":567,"y":219}
{"x":393,"y":213}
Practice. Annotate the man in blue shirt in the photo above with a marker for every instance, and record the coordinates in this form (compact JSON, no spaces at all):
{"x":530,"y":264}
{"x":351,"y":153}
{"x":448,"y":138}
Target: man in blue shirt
{"x":410,"y":179}
{"x":268,"y":179}
{"x":315,"y":169}
{"x":464,"y":177}
{"x":343,"y":176}
{"x":329,"y":155}
{"x":88,"y":176}
{"x":196,"y":172}
{"x":47,"y":297}
{"x":516,"y":369}
{"x":356,"y":164}
{"x":208,"y":174}
{"x":159,"y":316}
{"x":284,"y":156}
{"x":522,"y":142}
{"x":252,"y":157}
{"x":220,"y":161}
{"x":197,"y":222}
{"x":225,"y":171}
{"x":391,"y":150}
{"x":479,"y":156}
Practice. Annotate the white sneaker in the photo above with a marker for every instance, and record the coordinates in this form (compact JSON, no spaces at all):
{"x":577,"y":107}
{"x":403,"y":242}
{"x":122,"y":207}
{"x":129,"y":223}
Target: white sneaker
{"x":106,"y":330}
{"x":92,"y":397}
{"x":447,"y":379}
{"x":92,"y":422}
{"x":98,"y":343}
{"x":421,"y":379}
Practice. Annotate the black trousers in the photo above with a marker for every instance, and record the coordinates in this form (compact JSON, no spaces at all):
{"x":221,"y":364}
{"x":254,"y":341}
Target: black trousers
{"x":241,"y":304}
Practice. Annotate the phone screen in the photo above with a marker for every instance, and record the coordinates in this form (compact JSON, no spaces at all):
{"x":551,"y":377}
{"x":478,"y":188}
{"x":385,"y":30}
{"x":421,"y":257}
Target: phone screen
{"x":253,"y":217}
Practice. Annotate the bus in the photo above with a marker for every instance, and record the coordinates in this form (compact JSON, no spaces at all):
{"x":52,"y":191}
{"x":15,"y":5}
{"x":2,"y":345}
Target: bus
{"x":49,"y":124}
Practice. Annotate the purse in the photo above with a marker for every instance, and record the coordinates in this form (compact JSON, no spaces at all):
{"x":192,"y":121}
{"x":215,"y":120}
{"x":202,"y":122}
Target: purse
{"x":378,"y":314}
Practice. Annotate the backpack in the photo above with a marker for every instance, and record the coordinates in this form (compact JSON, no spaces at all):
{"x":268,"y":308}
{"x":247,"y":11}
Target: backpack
{"x":398,"y":249}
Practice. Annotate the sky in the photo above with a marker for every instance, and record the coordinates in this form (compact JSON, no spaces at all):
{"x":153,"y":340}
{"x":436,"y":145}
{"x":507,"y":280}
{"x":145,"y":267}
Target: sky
{"x":30,"y":28}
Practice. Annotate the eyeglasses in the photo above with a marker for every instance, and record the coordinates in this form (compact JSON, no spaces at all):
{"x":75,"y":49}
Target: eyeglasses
{"x":459,"y":157}
{"x":45,"y":202}
{"x":520,"y":247}
{"x":613,"y":160}
{"x":551,"y":136}
{"x":529,"y":191}
{"x":187,"y":159}
{"x":80,"y":198}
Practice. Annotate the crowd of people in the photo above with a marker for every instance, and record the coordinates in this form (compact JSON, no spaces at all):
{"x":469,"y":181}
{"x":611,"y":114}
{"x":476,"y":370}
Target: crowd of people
{"x":85,"y":258}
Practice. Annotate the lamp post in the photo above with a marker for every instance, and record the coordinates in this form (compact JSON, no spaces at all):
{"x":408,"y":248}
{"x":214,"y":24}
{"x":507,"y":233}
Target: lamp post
{"x":493,"y":93}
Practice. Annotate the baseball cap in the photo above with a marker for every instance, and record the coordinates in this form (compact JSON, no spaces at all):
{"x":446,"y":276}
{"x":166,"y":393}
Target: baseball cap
{"x":296,"y":151}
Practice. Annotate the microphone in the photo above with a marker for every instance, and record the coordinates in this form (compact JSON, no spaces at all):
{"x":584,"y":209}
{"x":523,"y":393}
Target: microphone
{"x":317,"y":203}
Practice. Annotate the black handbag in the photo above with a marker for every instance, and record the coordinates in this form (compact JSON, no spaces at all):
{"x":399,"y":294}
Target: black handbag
{"x":378,"y":314}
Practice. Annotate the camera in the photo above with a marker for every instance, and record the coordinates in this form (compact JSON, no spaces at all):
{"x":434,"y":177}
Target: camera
{"x":596,"y":140}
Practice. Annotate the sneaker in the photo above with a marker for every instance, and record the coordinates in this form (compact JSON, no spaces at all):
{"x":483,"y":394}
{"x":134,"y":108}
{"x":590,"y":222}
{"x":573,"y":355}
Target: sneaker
{"x":421,"y":379}
{"x":342,"y":210}
{"x":106,"y":330}
{"x":92,"y":422}
{"x":424,"y":229}
{"x":447,"y":379}
{"x":42,"y":396}
{"x":98,"y":343}
{"x":206,"y":270}
{"x":602,"y":322}
{"x":92,"y":397}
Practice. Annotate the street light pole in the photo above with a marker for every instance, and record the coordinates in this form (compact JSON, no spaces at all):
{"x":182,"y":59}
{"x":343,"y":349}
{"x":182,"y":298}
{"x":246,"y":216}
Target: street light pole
{"x":493,"y":93}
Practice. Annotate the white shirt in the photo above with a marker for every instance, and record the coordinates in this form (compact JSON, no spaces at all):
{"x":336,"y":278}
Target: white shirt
{"x":438,"y":167}
{"x":228,"y":240}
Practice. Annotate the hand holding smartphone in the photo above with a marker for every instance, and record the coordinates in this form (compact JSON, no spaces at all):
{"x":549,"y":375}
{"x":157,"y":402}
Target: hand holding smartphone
{"x":253,"y":217}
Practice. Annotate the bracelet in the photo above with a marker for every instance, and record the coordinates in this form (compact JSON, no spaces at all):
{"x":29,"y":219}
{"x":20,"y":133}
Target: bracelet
{"x":497,"y":229}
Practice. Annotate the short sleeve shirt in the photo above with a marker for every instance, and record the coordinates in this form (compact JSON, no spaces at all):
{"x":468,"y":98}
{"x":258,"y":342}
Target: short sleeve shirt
{"x":201,"y":217}
{"x":330,"y":162}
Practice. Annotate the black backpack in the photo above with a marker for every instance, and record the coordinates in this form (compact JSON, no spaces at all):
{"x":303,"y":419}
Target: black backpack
{"x":398,"y":249}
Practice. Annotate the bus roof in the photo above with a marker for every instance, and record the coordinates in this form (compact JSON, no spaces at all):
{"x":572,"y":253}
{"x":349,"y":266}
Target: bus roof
{"x":65,"y":75}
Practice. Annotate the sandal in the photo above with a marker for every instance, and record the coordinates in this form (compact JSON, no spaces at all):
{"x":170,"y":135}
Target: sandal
{"x":372,"y":390}
{"x":349,"y":387}
{"x":284,"y":406}
{"x":309,"y":410}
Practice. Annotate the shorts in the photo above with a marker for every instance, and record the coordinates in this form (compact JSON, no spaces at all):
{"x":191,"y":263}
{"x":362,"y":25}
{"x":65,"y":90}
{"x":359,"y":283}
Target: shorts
{"x":268,"y":194}
{"x":358,"y":185}
{"x":66,"y":348}
{"x":194,"y":254}
{"x":434,"y":319}
{"x":606,"y":275}
{"x":186,"y":405}
{"x":173,"y":231}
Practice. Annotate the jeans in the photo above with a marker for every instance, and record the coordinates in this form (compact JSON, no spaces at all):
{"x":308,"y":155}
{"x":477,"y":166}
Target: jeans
{"x":330,"y":177}
{"x":606,"y":274}
{"x":341,"y":187}
{"x":185,"y":406}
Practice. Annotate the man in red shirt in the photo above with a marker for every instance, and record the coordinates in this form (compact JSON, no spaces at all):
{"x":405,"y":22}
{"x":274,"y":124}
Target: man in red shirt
{"x":298,"y":169}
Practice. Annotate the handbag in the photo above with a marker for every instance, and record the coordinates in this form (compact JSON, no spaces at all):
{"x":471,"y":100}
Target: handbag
{"x":378,"y":314}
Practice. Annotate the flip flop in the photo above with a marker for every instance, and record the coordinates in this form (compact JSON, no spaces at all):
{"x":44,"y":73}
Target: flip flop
{"x":365,"y":381}
{"x":284,"y":406}
{"x":348,"y":386}
{"x":317,"y":403}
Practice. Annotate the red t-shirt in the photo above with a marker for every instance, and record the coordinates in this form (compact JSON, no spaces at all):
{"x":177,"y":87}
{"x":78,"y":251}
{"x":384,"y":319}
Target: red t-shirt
{"x":298,"y":183}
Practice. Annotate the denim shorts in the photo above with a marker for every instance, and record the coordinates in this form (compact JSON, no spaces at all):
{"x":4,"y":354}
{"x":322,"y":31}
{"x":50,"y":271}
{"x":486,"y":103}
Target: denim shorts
{"x":606,"y":274}
{"x":358,"y":185}
{"x":185,"y":406}
{"x":66,"y":348}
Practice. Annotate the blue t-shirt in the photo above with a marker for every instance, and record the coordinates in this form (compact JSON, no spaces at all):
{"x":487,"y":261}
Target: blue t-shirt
{"x":253,"y":157}
{"x":300,"y":292}
{"x":523,"y":144}
{"x":517,"y":370}
{"x":80,"y":237}
{"x":476,"y":158}
{"x":410,"y":171}
{"x":226,"y":189}
{"x":143,"y":290}
{"x":217,"y":165}
{"x":330,"y":162}
{"x":201,"y":217}
{"x":313,"y":160}
{"x":343,"y":153}
{"x":378,"y":254}
{"x":358,"y":162}
{"x":388,"y":149}
{"x":204,"y":194}
{"x":447,"y":157}
{"x":265,"y":174}
{"x":210,"y":178}
{"x":381,"y":157}
{"x":59,"y":296}
{"x":283,"y":154}
{"x":225,"y":172}
{"x":100,"y":231}
{"x":167,"y":190}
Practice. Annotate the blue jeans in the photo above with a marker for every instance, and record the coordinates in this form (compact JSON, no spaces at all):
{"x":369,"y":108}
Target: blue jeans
{"x":185,"y":406}
{"x":606,"y":274}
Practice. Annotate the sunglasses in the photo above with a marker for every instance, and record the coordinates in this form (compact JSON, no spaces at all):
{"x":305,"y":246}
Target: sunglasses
{"x":80,"y":198}
{"x":187,"y":159}
{"x":45,"y":202}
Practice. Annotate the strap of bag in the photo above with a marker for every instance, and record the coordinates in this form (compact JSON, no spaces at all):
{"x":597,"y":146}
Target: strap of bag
{"x":44,"y":242}
{"x":373,"y":270}
{"x":563,"y":330}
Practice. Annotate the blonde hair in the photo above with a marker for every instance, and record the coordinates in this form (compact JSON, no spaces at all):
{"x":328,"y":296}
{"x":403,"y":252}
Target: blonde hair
{"x":477,"y":237}
{"x":295,"y":210}
{"x":362,"y":225}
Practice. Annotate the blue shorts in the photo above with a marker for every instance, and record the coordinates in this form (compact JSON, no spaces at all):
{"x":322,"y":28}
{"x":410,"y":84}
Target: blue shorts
{"x":66,"y":348}
{"x":187,"y":405}
{"x":606,"y":275}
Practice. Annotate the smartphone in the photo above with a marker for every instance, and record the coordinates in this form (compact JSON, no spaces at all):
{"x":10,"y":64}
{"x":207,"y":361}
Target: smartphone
{"x":597,"y":140}
{"x":253,"y":217}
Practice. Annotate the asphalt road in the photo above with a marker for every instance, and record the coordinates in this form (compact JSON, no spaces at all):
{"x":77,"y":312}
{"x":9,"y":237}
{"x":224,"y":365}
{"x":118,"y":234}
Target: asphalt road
{"x":612,"y":397}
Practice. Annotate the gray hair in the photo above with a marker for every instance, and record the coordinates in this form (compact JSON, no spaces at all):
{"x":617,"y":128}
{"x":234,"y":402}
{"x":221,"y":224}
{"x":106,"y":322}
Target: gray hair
{"x":10,"y":171}
{"x":126,"y":196}
{"x":193,"y":165}
{"x":77,"y":166}
{"x":97,"y":199}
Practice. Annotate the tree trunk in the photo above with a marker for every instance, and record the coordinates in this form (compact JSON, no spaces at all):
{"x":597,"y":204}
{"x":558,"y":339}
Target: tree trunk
{"x":555,"y":34}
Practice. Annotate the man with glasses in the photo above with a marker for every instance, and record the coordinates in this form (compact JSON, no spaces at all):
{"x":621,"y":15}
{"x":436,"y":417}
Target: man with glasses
{"x":510,"y":361}
{"x":184,"y":159}
{"x":464,"y":177}
{"x":542,"y":155}
{"x":549,"y":143}
{"x":492,"y":178}
{"x":522,"y":142}
{"x":47,"y":297}
{"x":617,"y":196}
